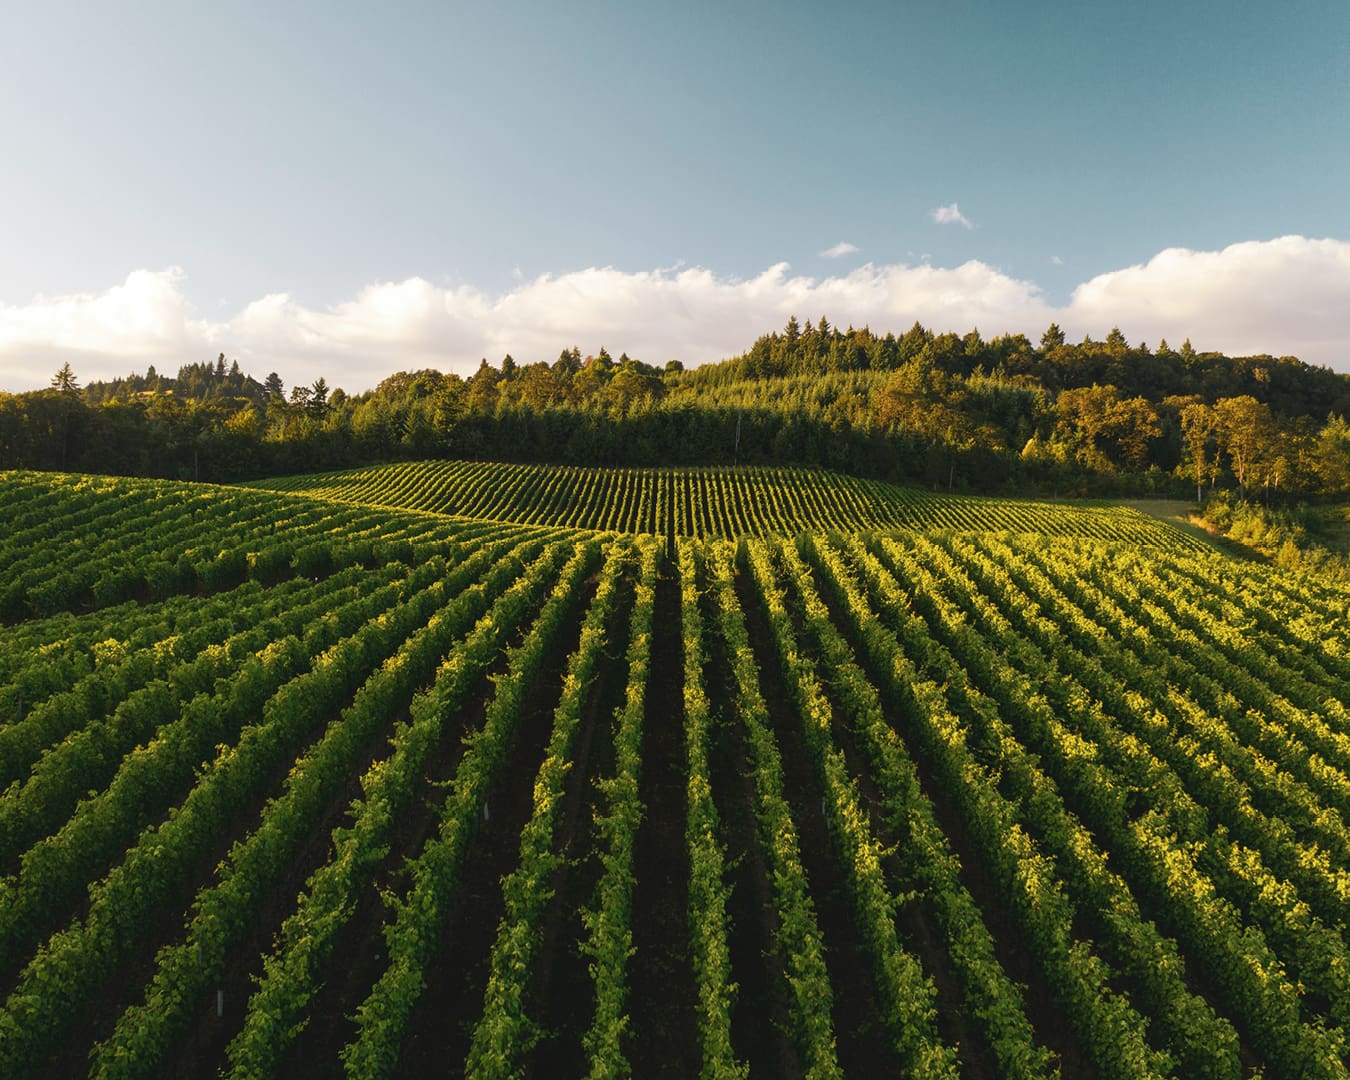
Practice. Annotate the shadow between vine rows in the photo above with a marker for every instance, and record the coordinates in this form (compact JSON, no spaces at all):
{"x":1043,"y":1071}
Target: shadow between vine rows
{"x":360,"y":950}
{"x":663,"y":1037}
{"x":442,"y":1023}
{"x":760,"y":1024}
{"x":860,"y":1037}
{"x":916,"y":923}
{"x":127,"y":986}
{"x":562,"y":993}
{"x":1047,"y":1021}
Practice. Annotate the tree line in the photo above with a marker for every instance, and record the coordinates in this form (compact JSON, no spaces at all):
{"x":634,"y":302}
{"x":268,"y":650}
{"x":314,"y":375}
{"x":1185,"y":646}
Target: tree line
{"x":942,"y":410}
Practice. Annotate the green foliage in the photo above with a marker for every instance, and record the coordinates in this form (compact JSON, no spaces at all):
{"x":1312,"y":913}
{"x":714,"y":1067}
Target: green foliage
{"x":609,"y":941}
{"x":907,"y":995}
{"x":1125,"y":762}
{"x":799,"y":943}
{"x":382,"y":1018}
{"x":708,"y":889}
{"x":938,"y":409}
{"x":505,"y":1034}
{"x":729,"y":502}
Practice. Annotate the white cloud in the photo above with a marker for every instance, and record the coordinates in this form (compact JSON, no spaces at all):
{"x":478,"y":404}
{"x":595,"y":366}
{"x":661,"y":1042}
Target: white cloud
{"x":841,"y":248}
{"x":1284,"y":296}
{"x":1055,"y":260}
{"x":1289,"y":297}
{"x":950,"y":215}
{"x":145,"y":316}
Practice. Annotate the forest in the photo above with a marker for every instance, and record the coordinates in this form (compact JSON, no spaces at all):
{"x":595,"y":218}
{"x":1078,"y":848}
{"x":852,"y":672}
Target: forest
{"x":937,"y":410}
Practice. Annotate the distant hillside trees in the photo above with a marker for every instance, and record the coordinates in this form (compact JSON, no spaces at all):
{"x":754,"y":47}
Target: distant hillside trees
{"x":943,"y":410}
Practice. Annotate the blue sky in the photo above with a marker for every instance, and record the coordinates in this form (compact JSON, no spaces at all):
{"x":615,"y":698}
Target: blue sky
{"x":352,"y":189}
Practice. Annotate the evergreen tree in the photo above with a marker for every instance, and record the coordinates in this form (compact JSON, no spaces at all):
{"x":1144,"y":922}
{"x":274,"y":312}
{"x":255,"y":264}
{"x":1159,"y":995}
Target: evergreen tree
{"x":914,"y":341}
{"x":64,"y":380}
{"x":318,"y":398}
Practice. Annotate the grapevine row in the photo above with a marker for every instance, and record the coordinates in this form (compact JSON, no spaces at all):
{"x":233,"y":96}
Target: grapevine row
{"x":798,"y":936}
{"x":706,"y":502}
{"x":1106,"y":1024}
{"x":504,"y":1033}
{"x":277,"y":1011}
{"x":73,"y":963}
{"x":415,"y":931}
{"x":988,"y":992}
{"x":907,"y":995}
{"x":708,"y":891}
{"x":222,"y":911}
{"x":1239,"y":959}
{"x":609,"y":940}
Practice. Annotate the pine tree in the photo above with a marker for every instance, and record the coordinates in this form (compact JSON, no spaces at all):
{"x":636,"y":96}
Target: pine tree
{"x":1053,"y":338}
{"x":64,"y":380}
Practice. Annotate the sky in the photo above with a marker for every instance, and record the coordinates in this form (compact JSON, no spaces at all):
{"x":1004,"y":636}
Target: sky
{"x":350,"y":190}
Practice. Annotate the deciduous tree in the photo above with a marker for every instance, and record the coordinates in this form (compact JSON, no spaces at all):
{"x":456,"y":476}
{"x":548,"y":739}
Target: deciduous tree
{"x":1201,"y":459}
{"x":1245,"y":429}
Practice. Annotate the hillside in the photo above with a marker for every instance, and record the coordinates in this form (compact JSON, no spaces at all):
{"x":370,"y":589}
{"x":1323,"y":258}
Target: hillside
{"x":350,"y":781}
{"x":709,"y":502}
{"x":1001,"y":416}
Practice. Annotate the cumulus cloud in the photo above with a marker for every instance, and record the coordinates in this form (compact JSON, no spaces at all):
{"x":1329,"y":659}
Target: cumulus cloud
{"x":146,"y":316}
{"x":1284,"y":296}
{"x":950,"y":215}
{"x":839,"y":249}
{"x":1289,"y":297}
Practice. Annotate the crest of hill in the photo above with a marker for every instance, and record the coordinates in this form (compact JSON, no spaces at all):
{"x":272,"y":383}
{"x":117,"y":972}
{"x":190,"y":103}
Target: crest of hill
{"x":77,"y":542}
{"x":707,"y":502}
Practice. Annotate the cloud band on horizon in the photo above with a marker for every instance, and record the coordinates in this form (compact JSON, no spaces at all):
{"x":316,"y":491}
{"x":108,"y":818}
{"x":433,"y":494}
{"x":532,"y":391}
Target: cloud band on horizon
{"x":1284,"y":296}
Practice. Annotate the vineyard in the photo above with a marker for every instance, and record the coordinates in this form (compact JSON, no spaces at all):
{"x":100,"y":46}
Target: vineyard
{"x":552,"y":772}
{"x":705,"y":503}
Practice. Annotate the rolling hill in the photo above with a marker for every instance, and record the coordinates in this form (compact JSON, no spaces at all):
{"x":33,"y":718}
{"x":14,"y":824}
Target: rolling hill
{"x":552,"y":771}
